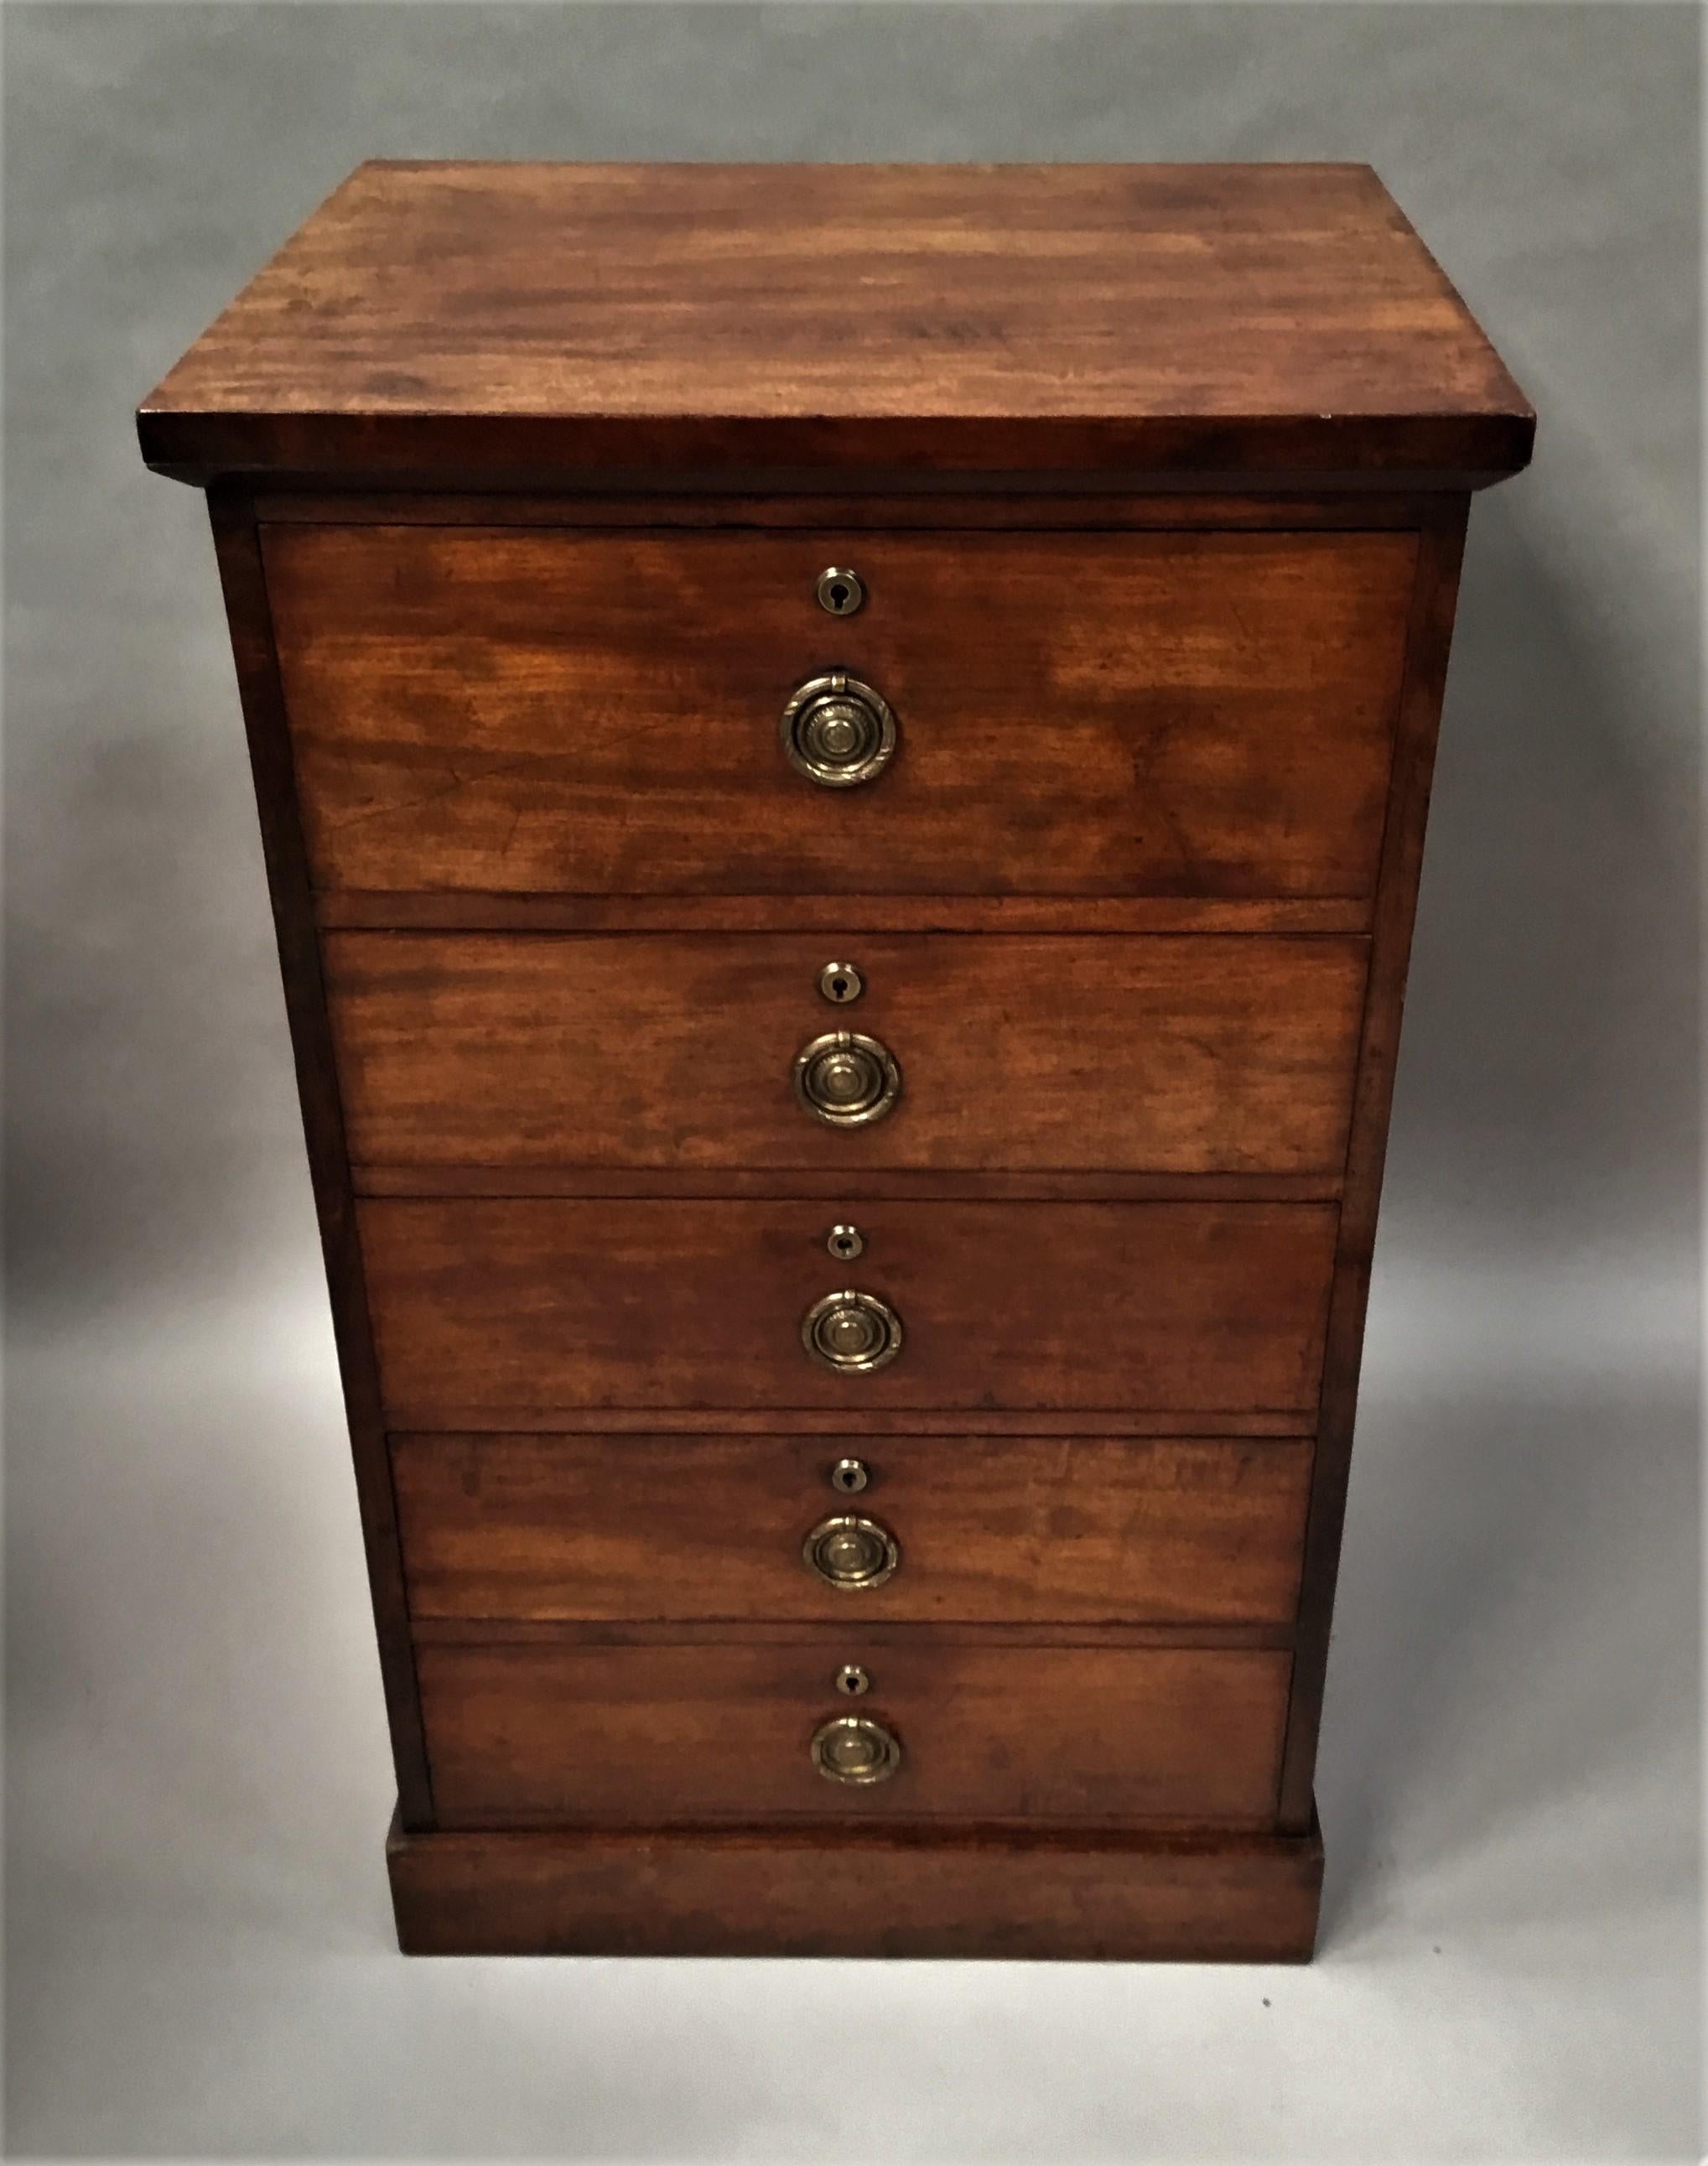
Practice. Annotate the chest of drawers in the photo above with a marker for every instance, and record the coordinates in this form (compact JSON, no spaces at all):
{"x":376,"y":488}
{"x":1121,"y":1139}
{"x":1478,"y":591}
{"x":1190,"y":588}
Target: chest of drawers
{"x":842,"y":756}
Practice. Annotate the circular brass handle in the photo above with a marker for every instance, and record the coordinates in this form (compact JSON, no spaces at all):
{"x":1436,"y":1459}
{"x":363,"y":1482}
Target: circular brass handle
{"x":853,"y":1748}
{"x":837,"y":731}
{"x":847,"y":1079}
{"x":847,"y":1550}
{"x":851,"y":1331}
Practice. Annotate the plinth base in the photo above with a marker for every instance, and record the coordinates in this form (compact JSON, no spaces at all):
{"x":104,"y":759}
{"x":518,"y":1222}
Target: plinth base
{"x":1187,"y":1897}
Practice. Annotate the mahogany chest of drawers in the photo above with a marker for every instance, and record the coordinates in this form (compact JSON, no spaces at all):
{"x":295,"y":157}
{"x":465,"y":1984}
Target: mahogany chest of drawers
{"x":841,"y":755}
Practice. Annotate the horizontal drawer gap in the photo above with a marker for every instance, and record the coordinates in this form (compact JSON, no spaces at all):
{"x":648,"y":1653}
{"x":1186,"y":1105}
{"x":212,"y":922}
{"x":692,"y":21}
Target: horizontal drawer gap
{"x":902,"y":1184}
{"x":851,"y":1822}
{"x":712,"y":1428}
{"x":403,"y":910}
{"x":496,"y":1631}
{"x":818,"y":503}
{"x":850,"y":1423}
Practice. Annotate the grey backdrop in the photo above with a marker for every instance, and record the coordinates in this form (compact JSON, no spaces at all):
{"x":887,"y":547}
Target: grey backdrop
{"x":197,"y":1937}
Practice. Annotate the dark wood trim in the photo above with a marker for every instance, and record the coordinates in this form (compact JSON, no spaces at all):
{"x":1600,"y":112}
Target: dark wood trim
{"x":778,"y":1891}
{"x":300,"y":964}
{"x":772,"y":513}
{"x":891,"y":455}
{"x":305,"y":476}
{"x":347,"y":910}
{"x":1440,"y":550}
{"x":905,"y":1185}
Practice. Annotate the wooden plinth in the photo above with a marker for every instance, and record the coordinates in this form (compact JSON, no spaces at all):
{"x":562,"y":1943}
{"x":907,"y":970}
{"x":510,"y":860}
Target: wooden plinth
{"x":1119,"y":1897}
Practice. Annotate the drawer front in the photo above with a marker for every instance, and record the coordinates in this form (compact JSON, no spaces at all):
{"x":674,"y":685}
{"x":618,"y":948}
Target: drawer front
{"x":1194,"y":1054}
{"x":1027,"y":1531}
{"x":487,"y":1314}
{"x":506,"y":710}
{"x":544,"y":1735}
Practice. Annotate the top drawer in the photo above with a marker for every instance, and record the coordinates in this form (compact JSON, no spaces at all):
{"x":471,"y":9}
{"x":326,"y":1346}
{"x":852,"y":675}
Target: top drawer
{"x":514,"y":709}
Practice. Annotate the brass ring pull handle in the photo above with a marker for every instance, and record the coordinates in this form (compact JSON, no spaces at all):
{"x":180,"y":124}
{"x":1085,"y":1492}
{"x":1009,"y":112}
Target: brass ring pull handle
{"x":851,"y":1332}
{"x":847,"y":1550}
{"x":846,"y":1079}
{"x":837,"y":731}
{"x":854,"y":1749}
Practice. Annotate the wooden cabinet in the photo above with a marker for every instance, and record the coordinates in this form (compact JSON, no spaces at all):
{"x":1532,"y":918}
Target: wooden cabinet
{"x":844,"y":904}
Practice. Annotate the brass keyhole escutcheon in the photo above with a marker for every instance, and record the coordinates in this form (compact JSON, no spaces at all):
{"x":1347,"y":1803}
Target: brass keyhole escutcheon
{"x":855,"y":1749}
{"x":839,"y":591}
{"x":845,"y":1243}
{"x":840,"y":983}
{"x":852,"y":1331}
{"x":837,"y":731}
{"x":850,"y":1475}
{"x":852,"y":1682}
{"x":848,"y":1550}
{"x":847,"y":1079}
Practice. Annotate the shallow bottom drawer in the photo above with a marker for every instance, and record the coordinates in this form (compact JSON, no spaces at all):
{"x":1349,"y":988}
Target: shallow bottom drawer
{"x":520,"y":1735}
{"x":975,"y":1530}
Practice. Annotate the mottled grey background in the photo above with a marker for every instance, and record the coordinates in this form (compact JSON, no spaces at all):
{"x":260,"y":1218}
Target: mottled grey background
{"x":197,"y":1935}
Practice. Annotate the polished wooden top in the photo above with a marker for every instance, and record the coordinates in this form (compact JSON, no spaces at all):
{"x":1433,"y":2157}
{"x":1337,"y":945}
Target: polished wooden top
{"x":536,"y":321}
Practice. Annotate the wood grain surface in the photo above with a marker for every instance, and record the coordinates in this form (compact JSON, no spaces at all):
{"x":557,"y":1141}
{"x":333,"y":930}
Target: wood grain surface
{"x":1033,"y":507}
{"x":1198,"y":1054}
{"x":515,"y":320}
{"x":513,"y":1306}
{"x":506,"y":710}
{"x":468,"y":910}
{"x":1084,"y":1896}
{"x":323,"y":1129}
{"x":1430,"y":639}
{"x":548,"y":1736}
{"x":1156,"y":477}
{"x":1083,"y":1529}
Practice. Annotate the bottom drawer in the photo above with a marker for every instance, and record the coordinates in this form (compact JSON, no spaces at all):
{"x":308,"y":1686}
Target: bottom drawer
{"x":522,"y":1734}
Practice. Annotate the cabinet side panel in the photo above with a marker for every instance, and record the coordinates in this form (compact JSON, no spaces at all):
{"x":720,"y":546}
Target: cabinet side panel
{"x":300,"y":964}
{"x":1442,"y":545}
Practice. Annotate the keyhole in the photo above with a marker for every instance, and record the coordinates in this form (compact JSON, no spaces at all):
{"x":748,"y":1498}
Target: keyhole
{"x":850,"y":1475}
{"x":841,"y":983}
{"x":845,"y":1243}
{"x":840,"y":591}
